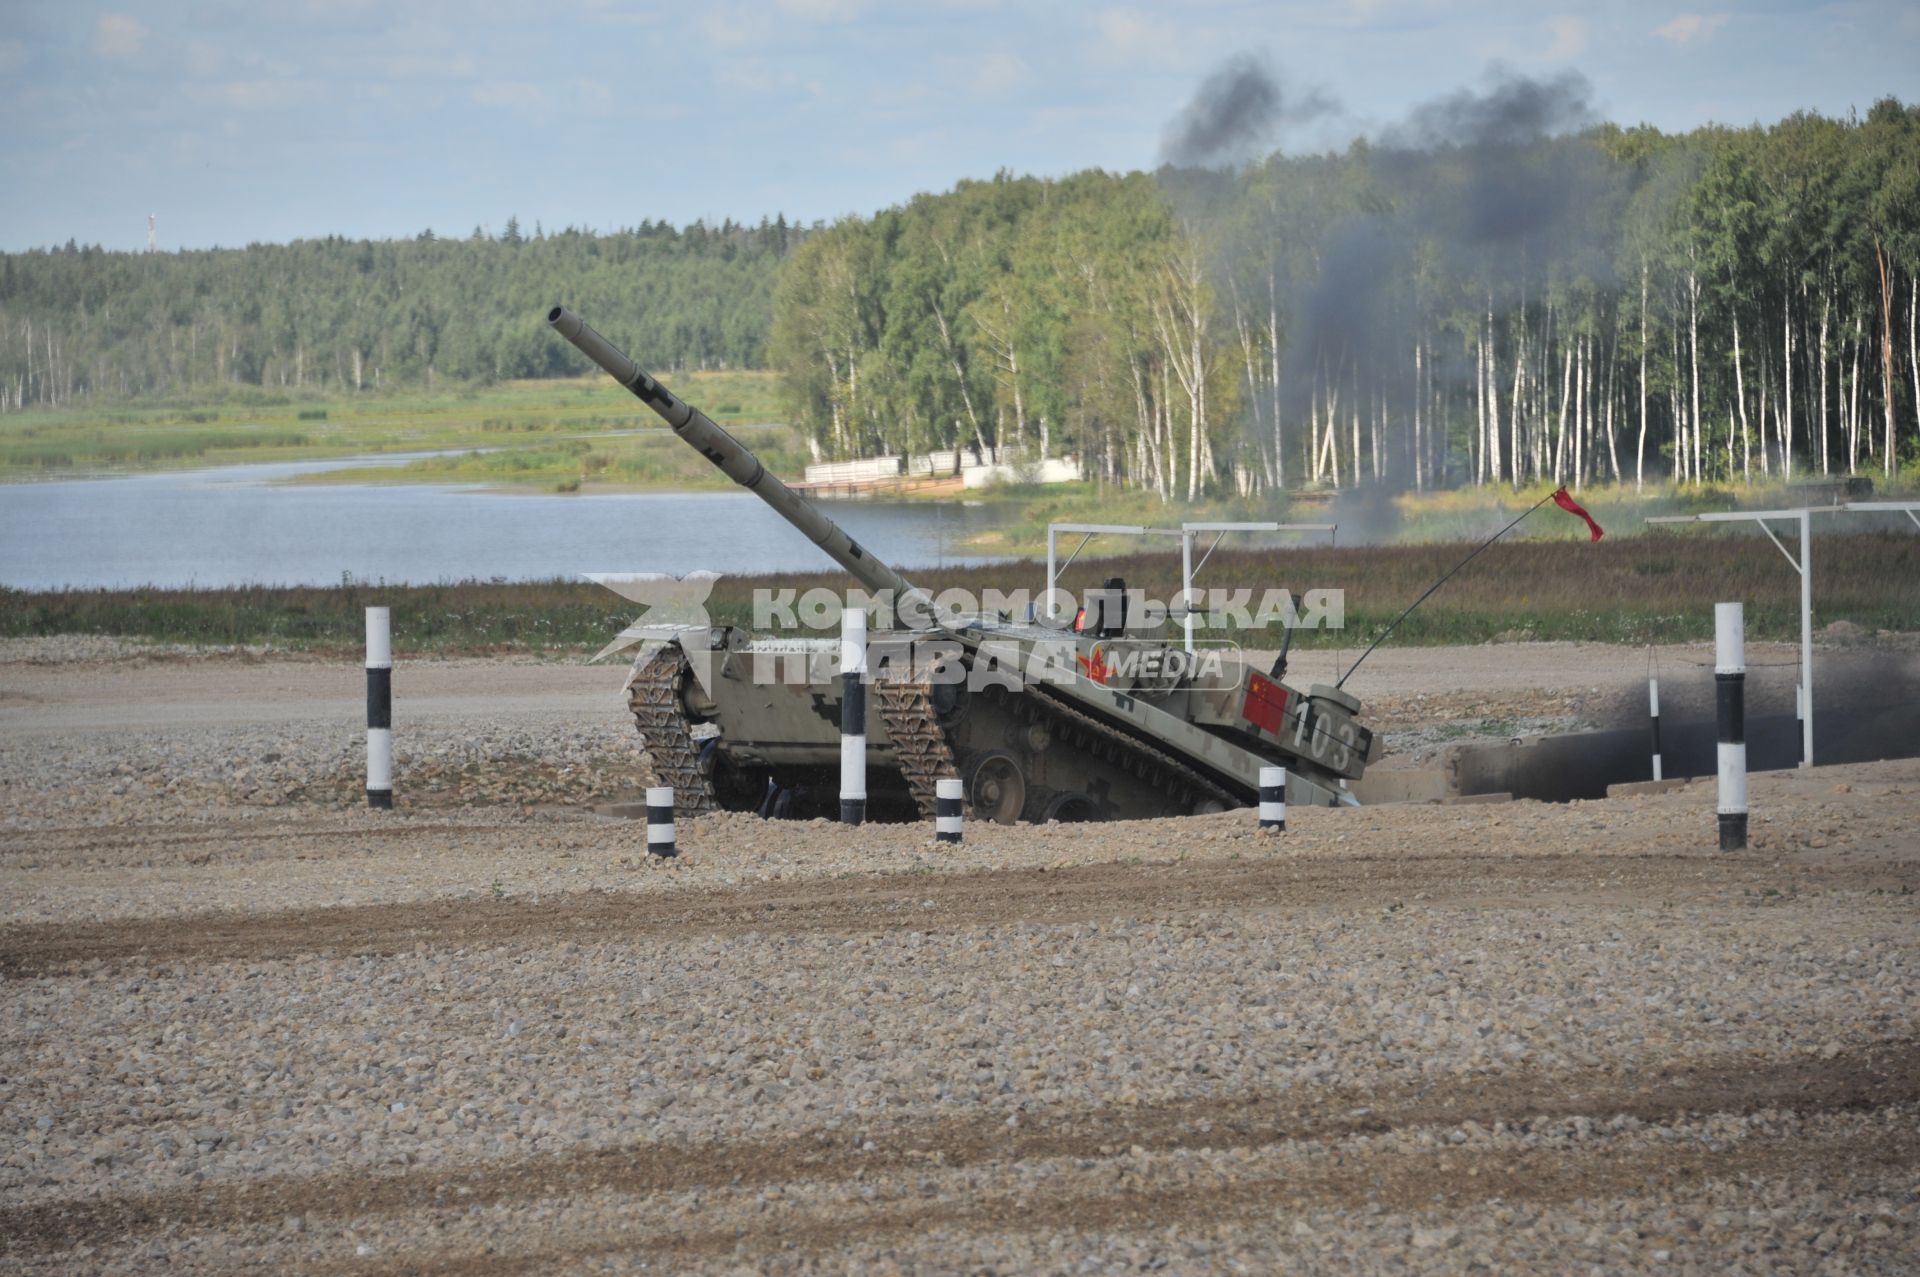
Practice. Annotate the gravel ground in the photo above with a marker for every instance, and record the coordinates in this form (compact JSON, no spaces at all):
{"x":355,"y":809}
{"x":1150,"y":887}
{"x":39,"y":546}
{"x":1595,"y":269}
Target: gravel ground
{"x":251,"y":1026}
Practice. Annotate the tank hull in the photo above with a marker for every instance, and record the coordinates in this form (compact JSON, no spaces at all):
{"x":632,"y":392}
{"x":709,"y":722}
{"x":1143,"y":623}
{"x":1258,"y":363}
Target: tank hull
{"x":765,"y":723}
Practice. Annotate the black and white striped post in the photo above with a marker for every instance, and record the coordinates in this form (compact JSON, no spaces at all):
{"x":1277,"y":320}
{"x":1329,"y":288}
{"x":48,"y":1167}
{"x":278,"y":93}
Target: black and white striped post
{"x":1800,"y":723}
{"x":1653,"y":717}
{"x":948,"y":800}
{"x":853,"y":716}
{"x":1730,"y":697}
{"x":1273,"y":799}
{"x":660,"y":821}
{"x":379,"y":708}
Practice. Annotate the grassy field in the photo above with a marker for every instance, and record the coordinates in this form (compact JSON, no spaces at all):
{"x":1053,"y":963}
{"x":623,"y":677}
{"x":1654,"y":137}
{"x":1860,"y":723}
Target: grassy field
{"x":647,"y":458}
{"x":1370,"y":516}
{"x":543,"y":418}
{"x":1655,"y":588}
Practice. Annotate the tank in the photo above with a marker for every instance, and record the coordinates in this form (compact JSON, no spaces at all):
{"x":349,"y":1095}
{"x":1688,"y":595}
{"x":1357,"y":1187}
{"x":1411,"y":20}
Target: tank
{"x":1097,"y":717}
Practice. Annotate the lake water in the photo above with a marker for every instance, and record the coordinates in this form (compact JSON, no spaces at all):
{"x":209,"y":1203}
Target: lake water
{"x":239,"y":525}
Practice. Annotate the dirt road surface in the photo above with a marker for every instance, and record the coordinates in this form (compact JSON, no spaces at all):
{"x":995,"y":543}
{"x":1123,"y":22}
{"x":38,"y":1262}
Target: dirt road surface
{"x":251,"y":1026}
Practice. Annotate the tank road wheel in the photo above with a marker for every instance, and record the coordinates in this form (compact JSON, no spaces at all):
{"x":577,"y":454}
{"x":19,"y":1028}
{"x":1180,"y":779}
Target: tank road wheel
{"x":1070,"y":809}
{"x":996,"y":787}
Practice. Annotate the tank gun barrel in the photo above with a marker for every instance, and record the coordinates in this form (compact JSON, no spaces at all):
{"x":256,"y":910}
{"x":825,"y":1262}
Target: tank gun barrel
{"x":733,"y":458}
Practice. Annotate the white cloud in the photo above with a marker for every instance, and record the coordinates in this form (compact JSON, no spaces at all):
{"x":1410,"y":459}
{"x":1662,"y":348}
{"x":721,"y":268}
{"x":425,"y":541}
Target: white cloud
{"x":205,"y":60}
{"x":13,"y":56}
{"x":725,"y":27}
{"x":256,"y":95}
{"x":590,"y":97}
{"x":821,"y":10}
{"x":342,"y":8}
{"x":412,"y":67}
{"x":999,"y":73}
{"x":115,"y":35}
{"x":903,"y":149}
{"x":760,"y":77}
{"x":515,"y":95}
{"x":1124,"y":36}
{"x":1689,"y":27}
{"x":1569,"y":37}
{"x":744,"y":75}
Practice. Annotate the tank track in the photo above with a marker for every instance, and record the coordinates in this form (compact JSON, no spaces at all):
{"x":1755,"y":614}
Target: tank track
{"x":1155,"y":766}
{"x":920,"y":745}
{"x":925,"y":754}
{"x":671,"y":756}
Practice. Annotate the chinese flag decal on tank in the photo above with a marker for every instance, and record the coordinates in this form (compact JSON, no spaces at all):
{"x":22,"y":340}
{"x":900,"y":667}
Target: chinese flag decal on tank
{"x":1095,"y":665}
{"x":1266,"y":703}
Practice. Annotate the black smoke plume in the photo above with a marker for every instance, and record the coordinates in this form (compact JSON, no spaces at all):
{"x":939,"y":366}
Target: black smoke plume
{"x":1492,"y":180}
{"x":1514,"y":111}
{"x":1239,"y":106}
{"x":1519,"y":189}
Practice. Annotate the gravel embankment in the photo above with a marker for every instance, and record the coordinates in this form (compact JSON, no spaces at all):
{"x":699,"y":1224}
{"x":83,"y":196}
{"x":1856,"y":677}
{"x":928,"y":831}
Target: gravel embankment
{"x":143,"y":774}
{"x":250,"y":1026}
{"x":106,"y":730}
{"x":103,"y":730}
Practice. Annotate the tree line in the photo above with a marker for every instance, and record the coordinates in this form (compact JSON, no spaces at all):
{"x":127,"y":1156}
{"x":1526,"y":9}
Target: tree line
{"x":1616,"y":304}
{"x":338,"y":315}
{"x":1500,"y":306}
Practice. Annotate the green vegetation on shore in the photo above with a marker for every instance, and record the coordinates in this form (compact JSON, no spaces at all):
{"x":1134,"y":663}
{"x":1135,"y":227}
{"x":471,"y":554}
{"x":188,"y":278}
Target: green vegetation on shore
{"x":555,"y":418}
{"x":1646,"y":589}
{"x":650,"y":458}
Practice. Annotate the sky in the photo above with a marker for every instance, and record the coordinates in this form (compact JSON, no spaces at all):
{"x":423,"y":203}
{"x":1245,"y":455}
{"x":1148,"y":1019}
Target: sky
{"x":264,"y":122}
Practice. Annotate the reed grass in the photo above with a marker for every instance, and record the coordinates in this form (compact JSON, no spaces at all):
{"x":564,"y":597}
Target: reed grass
{"x":1631,"y":590}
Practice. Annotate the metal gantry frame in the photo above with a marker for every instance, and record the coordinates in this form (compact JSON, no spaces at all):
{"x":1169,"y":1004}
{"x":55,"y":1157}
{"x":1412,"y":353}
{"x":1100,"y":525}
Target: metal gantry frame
{"x":1089,"y":531}
{"x":1189,"y":569}
{"x":1909,"y":508}
{"x":1804,"y":566}
{"x":1187,"y":532}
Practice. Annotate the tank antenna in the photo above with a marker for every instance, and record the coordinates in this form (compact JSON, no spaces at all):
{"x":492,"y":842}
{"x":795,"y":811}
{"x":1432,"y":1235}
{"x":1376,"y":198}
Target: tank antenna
{"x":1436,"y":585}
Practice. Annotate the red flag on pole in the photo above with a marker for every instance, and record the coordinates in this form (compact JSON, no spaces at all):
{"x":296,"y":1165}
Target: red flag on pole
{"x":1567,"y":503}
